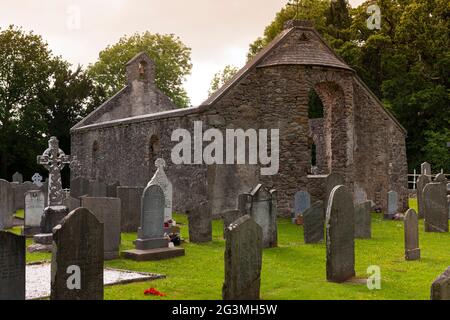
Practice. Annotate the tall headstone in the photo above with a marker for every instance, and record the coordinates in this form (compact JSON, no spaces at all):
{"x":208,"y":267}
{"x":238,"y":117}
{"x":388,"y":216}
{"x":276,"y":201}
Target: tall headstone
{"x":302,"y":202}
{"x":12,"y":266}
{"x":34,"y":209}
{"x":340,"y":236}
{"x":107,"y":211}
{"x":79,"y":187}
{"x":314,"y":223}
{"x":422,"y":181}
{"x":411,"y":224}
{"x":54,"y":159}
{"x":392,"y":205}
{"x":435,"y":206}
{"x":17,"y":177}
{"x":6,"y":205}
{"x":160,"y":179}
{"x":243,"y":260}
{"x":425,"y":169}
{"x":448,"y":206}
{"x":200,"y":223}
{"x":264,"y":214}
{"x":332,"y":180}
{"x":363,"y":220}
{"x":130,"y":198}
{"x":440,"y":289}
{"x":20,"y":189}
{"x":77,"y":259}
{"x":151,"y":243}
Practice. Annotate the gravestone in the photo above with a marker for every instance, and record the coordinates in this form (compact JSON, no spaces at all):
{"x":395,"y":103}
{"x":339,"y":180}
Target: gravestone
{"x":77,"y":259}
{"x":20,"y":189}
{"x":17,"y":177}
{"x":6,"y":205}
{"x":265,"y":214}
{"x":314,"y":223}
{"x":107,"y":211}
{"x":54,"y":159}
{"x":340,"y":227}
{"x":332,"y":181}
{"x":151,"y":243}
{"x":392,"y":205}
{"x":425,"y":169}
{"x":302,"y":202}
{"x":229,"y":217}
{"x":130,"y":198}
{"x":72,"y":203}
{"x":435,"y":206}
{"x":34,"y":209}
{"x":12,"y":266}
{"x":448,"y":206}
{"x":97,"y":189}
{"x":37,"y":180}
{"x":111,"y":190}
{"x":363,"y":220}
{"x":360,"y":196}
{"x":440,"y":289}
{"x":160,"y":179}
{"x":52,"y":217}
{"x":200,"y":223}
{"x":422,"y":181}
{"x":243,"y":260}
{"x":79,"y":187}
{"x":244,"y":204}
{"x":440,"y":178}
{"x":411,"y":225}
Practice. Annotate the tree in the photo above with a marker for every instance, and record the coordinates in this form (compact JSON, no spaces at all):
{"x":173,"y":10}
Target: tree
{"x":24,"y":74}
{"x":171,"y":57}
{"x":222,"y":77}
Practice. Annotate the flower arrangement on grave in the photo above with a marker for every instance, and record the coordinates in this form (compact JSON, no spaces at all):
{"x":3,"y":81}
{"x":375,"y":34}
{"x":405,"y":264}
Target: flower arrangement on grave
{"x":154,"y":292}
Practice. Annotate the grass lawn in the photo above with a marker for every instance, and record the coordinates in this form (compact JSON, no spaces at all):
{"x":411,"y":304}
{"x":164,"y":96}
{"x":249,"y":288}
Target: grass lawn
{"x":293,"y":270}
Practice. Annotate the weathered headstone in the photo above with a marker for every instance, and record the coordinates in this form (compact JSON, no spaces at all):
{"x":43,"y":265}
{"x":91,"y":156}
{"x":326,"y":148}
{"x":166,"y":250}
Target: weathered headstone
{"x":77,"y":260}
{"x":111,"y":190}
{"x":264,"y":215}
{"x":245,"y":204}
{"x":160,"y":179}
{"x":448,"y":206}
{"x":360,"y":195}
{"x":200,"y":223}
{"x":6,"y":205}
{"x":54,"y":159}
{"x":340,"y":226}
{"x":229,"y":217}
{"x":12,"y":266}
{"x":37,"y":180}
{"x":411,"y":224}
{"x":243,"y":260}
{"x":332,"y":181}
{"x":440,"y":178}
{"x":97,"y":189}
{"x":79,"y":187}
{"x":52,"y":217}
{"x":425,"y":169}
{"x":34,"y":209}
{"x":422,"y":181}
{"x":107,"y":211}
{"x":130,"y":198}
{"x":392,"y":205}
{"x":363,"y":220}
{"x":302,"y":202}
{"x":435,"y":206}
{"x":151,"y":243}
{"x":314,"y":223}
{"x":17,"y":177}
{"x":440,"y":289}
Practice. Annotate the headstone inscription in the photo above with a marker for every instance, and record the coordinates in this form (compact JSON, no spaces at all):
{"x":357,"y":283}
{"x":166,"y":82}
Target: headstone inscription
{"x":264,"y":213}
{"x":34,"y":209}
{"x":12,"y":266}
{"x":160,"y":179}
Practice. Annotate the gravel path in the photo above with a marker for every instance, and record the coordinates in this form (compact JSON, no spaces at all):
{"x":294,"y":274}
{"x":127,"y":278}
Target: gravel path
{"x":38,"y":279}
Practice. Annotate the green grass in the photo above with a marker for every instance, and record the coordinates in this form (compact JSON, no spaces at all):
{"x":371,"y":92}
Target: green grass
{"x":20,"y":214}
{"x":293,"y":270}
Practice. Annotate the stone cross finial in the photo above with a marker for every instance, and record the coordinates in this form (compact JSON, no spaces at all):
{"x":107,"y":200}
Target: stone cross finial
{"x":37,"y":179}
{"x":54,"y":159}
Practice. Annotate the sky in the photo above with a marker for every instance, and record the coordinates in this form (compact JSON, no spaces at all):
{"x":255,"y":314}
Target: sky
{"x":218,"y":32}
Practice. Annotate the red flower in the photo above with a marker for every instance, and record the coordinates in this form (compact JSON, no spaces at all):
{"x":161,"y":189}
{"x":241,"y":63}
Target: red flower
{"x":153,"y":292}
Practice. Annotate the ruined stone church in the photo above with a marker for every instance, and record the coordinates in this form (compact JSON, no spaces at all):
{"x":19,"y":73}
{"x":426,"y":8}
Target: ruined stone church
{"x":357,"y":137}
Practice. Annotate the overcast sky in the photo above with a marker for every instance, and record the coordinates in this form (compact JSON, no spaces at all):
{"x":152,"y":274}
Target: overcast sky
{"x":218,"y":31}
